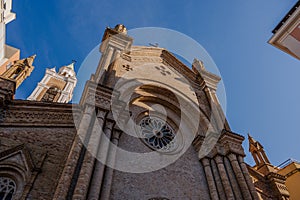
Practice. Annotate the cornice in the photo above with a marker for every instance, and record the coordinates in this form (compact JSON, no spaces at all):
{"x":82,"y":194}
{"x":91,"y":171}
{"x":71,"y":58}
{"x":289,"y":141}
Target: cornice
{"x":32,"y":113}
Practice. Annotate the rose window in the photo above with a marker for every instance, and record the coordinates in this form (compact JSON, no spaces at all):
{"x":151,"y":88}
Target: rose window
{"x":157,"y":134}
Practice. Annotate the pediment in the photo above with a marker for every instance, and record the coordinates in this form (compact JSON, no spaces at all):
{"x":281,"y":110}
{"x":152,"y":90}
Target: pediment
{"x":145,"y":54}
{"x":17,"y":156}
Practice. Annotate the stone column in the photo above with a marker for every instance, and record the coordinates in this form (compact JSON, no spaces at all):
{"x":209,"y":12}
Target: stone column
{"x":218,"y":180}
{"x":107,"y":58}
{"x":224,"y":177}
{"x":248,"y":178}
{"x":106,"y":188}
{"x":210,"y":179}
{"x":240,"y":177}
{"x":231,"y":176}
{"x":71,"y":163}
{"x":116,"y":54}
{"x":217,"y":119}
{"x":260,"y":158}
{"x":266,"y":159}
{"x":86,"y":171}
{"x":97,"y":178}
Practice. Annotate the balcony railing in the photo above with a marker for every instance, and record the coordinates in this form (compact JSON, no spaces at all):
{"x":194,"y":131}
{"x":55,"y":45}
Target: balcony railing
{"x":287,"y":162}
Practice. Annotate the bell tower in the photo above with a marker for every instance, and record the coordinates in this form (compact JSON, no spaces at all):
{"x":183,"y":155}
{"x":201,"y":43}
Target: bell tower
{"x":267,"y":171}
{"x":115,"y":41}
{"x":19,"y":70}
{"x":56,"y":86}
{"x":258,"y":152}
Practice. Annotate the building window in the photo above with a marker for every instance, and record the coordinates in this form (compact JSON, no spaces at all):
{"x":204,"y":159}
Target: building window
{"x":50,"y":95}
{"x":157,"y":134}
{"x":7,"y":188}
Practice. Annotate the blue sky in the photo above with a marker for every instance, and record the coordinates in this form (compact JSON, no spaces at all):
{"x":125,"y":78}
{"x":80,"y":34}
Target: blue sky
{"x":261,"y":82}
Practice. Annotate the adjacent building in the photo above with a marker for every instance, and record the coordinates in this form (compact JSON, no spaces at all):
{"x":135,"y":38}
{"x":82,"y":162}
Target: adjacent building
{"x":8,"y":54}
{"x":286,"y":35}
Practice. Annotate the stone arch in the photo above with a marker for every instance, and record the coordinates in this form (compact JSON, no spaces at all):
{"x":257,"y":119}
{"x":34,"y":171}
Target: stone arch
{"x":17,"y":175}
{"x":151,"y":94}
{"x":51,"y":94}
{"x":16,"y":72}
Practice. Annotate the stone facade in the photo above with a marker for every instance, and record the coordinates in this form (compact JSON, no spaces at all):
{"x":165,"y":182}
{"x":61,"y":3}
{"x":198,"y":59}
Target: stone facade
{"x":220,"y":174}
{"x":35,"y":142}
{"x":68,"y":151}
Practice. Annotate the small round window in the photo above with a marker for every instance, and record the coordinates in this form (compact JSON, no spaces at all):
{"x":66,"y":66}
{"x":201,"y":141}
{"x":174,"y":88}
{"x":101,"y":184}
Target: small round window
{"x":157,"y":134}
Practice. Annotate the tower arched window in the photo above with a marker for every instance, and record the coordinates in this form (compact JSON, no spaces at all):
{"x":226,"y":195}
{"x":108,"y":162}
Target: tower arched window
{"x":16,"y":73}
{"x":50,"y":94}
{"x":7,"y":188}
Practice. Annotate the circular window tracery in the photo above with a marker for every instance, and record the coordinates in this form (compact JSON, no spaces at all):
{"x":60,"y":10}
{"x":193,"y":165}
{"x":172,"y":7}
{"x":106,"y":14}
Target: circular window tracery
{"x":157,"y":134}
{"x":7,"y":188}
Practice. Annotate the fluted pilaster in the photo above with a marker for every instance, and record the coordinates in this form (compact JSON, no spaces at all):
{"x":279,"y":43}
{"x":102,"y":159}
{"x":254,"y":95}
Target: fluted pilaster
{"x":106,"y":188}
{"x":235,"y":186}
{"x":89,"y":158}
{"x":210,"y":179}
{"x":224,"y":177}
{"x":97,"y":178}
{"x":71,"y":163}
{"x":240,"y":177}
{"x":218,"y":180}
{"x":248,"y":178}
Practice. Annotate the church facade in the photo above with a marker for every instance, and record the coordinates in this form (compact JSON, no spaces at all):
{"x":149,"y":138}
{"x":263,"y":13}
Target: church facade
{"x":45,"y":155}
{"x":147,"y":127}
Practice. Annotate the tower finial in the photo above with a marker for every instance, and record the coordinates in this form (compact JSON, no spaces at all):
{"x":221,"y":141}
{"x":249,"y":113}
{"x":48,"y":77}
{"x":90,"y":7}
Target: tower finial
{"x":71,"y":66}
{"x":257,"y":151}
{"x":251,"y":139}
{"x":121,"y":28}
{"x":31,"y":59}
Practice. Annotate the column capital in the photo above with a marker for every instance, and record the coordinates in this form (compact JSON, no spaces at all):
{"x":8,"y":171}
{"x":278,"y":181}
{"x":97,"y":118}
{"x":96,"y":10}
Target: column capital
{"x":232,"y":157}
{"x":116,"y":134}
{"x":205,"y":162}
{"x":109,"y":124}
{"x":219,"y":159}
{"x":101,"y":114}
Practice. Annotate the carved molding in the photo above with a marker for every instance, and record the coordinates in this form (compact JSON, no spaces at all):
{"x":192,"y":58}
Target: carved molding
{"x":232,"y":143}
{"x":24,"y":113}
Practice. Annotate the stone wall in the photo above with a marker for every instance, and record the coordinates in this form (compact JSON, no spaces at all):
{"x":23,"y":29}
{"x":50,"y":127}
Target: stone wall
{"x":38,"y":149}
{"x":184,"y":179}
